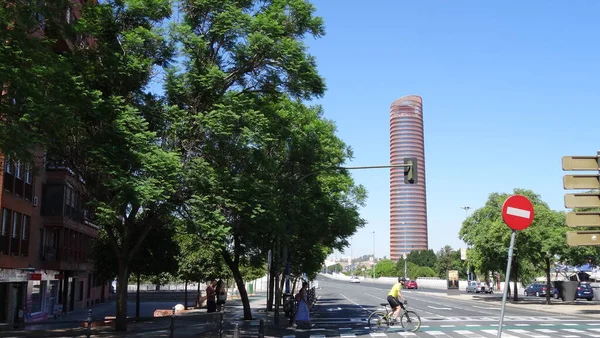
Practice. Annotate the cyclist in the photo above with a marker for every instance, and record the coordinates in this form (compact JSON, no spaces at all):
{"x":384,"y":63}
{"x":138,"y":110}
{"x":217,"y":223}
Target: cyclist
{"x":394,"y":297}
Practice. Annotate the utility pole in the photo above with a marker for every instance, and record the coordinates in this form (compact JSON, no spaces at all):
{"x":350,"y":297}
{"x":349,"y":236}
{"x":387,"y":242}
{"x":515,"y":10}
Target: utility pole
{"x":467,"y":208}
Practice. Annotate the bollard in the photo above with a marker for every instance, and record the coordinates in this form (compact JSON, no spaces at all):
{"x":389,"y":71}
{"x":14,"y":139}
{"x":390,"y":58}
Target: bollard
{"x":88,"y":332}
{"x":261,"y":329}
{"x":172,"y":327}
{"x":236,"y":331}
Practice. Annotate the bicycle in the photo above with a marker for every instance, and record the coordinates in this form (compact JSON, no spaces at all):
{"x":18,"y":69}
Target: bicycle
{"x":380,"y":321}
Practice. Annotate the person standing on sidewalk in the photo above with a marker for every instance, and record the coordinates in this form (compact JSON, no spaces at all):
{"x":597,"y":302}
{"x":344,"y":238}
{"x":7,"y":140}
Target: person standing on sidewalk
{"x":211,"y":301}
{"x":221,"y":295}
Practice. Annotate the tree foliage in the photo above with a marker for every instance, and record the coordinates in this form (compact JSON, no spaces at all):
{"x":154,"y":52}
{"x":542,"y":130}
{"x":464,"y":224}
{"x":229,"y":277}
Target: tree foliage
{"x":422,"y":257}
{"x":386,"y":268}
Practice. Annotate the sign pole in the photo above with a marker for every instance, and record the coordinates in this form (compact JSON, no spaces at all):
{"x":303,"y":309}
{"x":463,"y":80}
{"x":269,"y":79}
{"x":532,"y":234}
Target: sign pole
{"x":506,"y":281}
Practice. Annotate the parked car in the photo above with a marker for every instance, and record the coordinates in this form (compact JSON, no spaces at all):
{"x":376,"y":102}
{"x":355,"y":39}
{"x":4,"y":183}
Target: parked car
{"x":537,"y":289}
{"x":476,"y":287}
{"x":411,"y":284}
{"x":584,"y":290}
{"x":354,"y":279}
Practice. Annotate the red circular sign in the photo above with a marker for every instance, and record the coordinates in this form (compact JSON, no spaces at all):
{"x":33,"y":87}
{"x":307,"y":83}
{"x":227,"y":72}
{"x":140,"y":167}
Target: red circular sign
{"x":517,"y":212}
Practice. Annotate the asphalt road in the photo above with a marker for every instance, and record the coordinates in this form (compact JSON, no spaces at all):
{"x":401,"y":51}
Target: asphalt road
{"x":343,"y":308}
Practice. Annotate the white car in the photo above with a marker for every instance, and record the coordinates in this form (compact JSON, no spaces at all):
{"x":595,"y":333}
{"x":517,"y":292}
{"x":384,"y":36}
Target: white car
{"x":354,"y":279}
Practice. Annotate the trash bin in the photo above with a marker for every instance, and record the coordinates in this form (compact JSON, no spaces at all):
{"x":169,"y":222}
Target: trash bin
{"x":250,"y":288}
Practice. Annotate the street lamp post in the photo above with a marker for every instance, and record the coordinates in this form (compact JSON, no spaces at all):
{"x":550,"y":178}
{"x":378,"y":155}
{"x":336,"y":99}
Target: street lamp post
{"x":404,"y":251}
{"x":373,"y":255}
{"x":466,"y":209}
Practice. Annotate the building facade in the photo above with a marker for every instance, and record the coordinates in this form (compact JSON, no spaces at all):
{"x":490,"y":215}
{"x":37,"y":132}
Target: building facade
{"x":45,"y":232}
{"x":408,"y":202}
{"x":45,"y":242}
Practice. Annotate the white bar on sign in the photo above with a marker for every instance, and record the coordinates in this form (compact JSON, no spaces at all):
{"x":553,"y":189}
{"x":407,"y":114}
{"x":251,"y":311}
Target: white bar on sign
{"x":518,"y":212}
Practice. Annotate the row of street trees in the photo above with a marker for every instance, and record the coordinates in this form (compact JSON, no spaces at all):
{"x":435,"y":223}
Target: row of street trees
{"x":538,"y":249}
{"x":225,"y":159}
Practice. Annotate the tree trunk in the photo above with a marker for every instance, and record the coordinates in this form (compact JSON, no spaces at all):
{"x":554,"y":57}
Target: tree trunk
{"x":548,"y":284}
{"x":271,"y":288}
{"x":137,"y":299}
{"x":198,"y":296}
{"x":123,"y":280}
{"x":185,"y":295}
{"x":239,"y":282}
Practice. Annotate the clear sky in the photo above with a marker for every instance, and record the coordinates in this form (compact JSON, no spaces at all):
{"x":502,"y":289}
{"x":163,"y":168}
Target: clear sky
{"x":508,"y":89}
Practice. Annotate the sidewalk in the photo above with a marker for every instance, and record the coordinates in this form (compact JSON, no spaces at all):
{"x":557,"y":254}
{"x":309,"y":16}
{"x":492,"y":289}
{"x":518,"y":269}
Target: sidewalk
{"x":584,"y":309}
{"x":194,"y":323}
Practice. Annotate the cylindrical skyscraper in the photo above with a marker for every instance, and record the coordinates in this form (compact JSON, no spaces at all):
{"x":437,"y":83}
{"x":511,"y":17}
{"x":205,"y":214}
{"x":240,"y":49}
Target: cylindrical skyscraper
{"x":408,"y":202}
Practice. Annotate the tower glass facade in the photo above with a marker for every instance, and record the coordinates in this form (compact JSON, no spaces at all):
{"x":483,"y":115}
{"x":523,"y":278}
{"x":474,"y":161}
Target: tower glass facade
{"x":408,"y":202}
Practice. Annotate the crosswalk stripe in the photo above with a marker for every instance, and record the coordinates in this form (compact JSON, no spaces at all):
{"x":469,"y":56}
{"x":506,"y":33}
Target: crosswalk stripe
{"x":468,"y":334}
{"x":546,"y":330}
{"x":495,"y":332}
{"x":436,"y":333}
{"x":378,"y":334}
{"x":528,"y":334}
{"x":407,"y":334}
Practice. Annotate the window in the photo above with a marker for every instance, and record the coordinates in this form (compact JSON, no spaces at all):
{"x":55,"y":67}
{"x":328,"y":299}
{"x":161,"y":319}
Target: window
{"x":19,"y":170}
{"x":28,"y":174}
{"x":5,"y":222}
{"x":7,"y":165}
{"x":15,"y":227}
{"x":25,"y":227}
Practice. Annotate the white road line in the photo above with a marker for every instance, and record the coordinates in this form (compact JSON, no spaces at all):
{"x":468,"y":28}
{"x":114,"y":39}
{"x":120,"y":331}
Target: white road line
{"x":436,"y":333}
{"x":447,"y":325}
{"x":518,"y":212}
{"x":407,"y":334}
{"x":527,"y":333}
{"x":521,"y":324}
{"x":504,"y":333}
{"x":439,"y":308}
{"x":546,"y":330}
{"x":468,"y":334}
{"x":378,"y":334}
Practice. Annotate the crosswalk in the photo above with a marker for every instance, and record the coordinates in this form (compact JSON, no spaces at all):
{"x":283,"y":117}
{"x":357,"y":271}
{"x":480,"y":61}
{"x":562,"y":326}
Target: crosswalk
{"x":517,"y":330}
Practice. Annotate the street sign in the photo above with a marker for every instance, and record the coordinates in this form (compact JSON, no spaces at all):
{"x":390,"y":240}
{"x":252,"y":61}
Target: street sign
{"x":582,"y":200}
{"x":582,"y":238}
{"x":581,"y":181}
{"x":576,"y":201}
{"x":583,"y":219}
{"x":575,"y":163}
{"x":517,"y":212}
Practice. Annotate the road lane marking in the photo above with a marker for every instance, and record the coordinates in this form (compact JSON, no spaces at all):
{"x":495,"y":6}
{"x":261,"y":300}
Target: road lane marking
{"x":439,"y":308}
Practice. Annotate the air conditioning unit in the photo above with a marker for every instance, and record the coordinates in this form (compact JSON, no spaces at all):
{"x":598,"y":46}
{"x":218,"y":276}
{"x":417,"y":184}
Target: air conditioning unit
{"x":35,"y":201}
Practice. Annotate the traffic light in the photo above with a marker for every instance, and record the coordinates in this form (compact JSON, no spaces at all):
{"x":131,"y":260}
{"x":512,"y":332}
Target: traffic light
{"x":410,"y":171}
{"x":582,"y":200}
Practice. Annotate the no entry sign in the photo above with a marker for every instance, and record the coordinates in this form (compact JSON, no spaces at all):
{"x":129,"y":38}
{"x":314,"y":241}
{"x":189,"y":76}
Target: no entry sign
{"x":517,"y":212}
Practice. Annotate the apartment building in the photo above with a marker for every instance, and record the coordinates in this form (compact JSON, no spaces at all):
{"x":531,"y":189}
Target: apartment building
{"x":46,"y":233}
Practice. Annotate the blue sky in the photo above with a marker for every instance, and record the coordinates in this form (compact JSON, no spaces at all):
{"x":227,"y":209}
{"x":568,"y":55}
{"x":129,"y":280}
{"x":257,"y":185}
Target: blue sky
{"x":508,"y":89}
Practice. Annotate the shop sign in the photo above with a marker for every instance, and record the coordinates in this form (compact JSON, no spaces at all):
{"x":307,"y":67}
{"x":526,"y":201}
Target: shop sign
{"x":13,"y":275}
{"x":35,"y":276}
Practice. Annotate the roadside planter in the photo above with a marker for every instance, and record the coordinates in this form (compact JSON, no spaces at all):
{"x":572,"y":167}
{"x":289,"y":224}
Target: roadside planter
{"x":567,"y":290}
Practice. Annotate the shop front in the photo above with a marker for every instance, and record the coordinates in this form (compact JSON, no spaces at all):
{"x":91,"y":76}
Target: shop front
{"x":42,"y":295}
{"x":13,"y":291}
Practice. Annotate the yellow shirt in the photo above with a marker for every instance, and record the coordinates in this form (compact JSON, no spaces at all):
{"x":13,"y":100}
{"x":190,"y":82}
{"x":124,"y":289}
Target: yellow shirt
{"x":395,"y":290}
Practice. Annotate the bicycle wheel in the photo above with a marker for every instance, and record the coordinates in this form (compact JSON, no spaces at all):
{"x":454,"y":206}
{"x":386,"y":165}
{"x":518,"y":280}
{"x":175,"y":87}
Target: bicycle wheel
{"x":410,"y":321}
{"x":378,"y":321}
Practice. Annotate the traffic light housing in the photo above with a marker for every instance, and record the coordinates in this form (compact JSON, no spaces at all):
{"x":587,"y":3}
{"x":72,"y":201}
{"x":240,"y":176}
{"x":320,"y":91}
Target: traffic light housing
{"x":410,"y":171}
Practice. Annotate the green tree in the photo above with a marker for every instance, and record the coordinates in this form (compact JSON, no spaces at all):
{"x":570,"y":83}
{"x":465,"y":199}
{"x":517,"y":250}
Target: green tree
{"x":386,"y":268}
{"x":422,"y":257}
{"x":423,"y":271}
{"x":449,"y":259}
{"x":535,"y":247}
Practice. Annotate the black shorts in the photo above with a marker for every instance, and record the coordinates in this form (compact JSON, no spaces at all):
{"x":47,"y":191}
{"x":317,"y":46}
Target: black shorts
{"x":394,"y":303}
